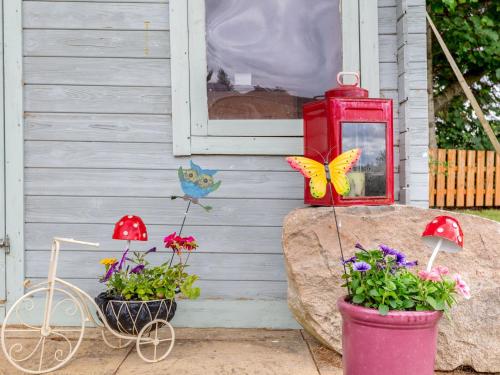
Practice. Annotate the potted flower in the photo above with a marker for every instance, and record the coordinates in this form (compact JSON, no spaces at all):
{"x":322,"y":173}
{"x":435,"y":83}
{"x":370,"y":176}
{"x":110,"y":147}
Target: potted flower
{"x":138,"y":292}
{"x":390,"y":314}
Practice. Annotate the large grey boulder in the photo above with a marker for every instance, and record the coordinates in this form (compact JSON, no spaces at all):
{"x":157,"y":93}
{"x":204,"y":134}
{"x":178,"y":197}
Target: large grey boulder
{"x":312,"y":258}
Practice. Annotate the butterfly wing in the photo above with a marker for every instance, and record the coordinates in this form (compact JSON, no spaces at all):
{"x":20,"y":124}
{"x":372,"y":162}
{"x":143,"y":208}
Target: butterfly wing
{"x":313,"y":170}
{"x":339,"y":168}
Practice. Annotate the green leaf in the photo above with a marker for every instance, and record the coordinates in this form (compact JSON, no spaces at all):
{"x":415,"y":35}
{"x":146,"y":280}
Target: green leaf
{"x":373,"y":292}
{"x":408,"y":304}
{"x":383,"y":309}
{"x":390,"y":285}
{"x":358,"y":299}
{"x":360,"y":290}
{"x":435,"y":304}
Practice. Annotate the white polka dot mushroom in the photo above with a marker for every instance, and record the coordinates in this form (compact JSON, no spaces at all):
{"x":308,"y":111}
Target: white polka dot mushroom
{"x":443,"y":233}
{"x":130,"y":228}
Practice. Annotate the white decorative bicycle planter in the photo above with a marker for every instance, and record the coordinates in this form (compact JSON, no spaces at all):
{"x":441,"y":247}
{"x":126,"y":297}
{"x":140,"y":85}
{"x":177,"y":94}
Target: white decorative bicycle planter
{"x":121,"y":323}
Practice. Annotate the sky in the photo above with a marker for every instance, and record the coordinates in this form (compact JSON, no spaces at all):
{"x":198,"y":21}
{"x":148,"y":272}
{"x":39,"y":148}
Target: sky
{"x":291,"y":44}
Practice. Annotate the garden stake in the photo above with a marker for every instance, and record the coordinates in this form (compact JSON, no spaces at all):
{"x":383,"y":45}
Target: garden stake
{"x":340,"y":241}
{"x":180,"y":230}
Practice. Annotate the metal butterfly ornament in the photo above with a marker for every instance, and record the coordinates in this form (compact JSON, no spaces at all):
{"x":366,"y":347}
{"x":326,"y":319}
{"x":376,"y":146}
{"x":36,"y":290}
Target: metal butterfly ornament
{"x":334,"y":172}
{"x":197,"y":183}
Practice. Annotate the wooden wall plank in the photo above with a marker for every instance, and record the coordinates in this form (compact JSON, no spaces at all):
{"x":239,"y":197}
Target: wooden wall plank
{"x":244,"y":212}
{"x":75,"y":15}
{"x":470,"y":186}
{"x":480,"y":178}
{"x":210,"y":289}
{"x":441,"y":178}
{"x":369,"y":47}
{"x":97,"y":127}
{"x":251,"y":145}
{"x":451,"y":178}
{"x":497,"y":180}
{"x":490,"y":173}
{"x":389,"y":76}
{"x":13,"y":150}
{"x":158,"y":183}
{"x":97,"y":99}
{"x":386,"y":3}
{"x":462,"y":158}
{"x":212,"y":238}
{"x":96,"y":43}
{"x":208,"y":266}
{"x":45,"y":154}
{"x":96,"y":71}
{"x":432,"y":176}
{"x":387,"y":48}
{"x":110,"y":1}
{"x":386,"y":20}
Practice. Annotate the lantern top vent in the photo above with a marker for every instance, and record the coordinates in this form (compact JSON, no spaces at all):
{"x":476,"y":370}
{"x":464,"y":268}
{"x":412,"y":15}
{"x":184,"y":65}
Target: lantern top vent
{"x":347,"y":91}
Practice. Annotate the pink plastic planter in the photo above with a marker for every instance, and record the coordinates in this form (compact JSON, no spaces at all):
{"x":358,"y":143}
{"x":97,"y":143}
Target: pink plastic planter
{"x":400,"y":343}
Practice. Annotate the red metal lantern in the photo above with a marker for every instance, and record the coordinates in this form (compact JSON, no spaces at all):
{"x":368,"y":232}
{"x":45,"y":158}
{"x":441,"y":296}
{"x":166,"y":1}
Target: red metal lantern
{"x":346,"y":118}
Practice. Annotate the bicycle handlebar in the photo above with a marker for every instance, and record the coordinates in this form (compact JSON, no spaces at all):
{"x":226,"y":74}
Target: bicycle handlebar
{"x":71,"y":240}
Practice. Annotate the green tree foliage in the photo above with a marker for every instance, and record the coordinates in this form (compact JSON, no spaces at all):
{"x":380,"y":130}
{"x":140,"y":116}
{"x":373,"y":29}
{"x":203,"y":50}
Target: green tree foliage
{"x":470,"y":28}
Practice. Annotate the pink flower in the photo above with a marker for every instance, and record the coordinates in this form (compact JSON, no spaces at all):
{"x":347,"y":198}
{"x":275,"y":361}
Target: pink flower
{"x":461,"y":286}
{"x":430,"y":276}
{"x":178,"y":243}
{"x":441,"y":270}
{"x":189,"y":243}
{"x":170,"y":240}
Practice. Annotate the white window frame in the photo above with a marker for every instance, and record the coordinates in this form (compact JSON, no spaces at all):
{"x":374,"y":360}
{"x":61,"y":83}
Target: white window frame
{"x":194,"y":134}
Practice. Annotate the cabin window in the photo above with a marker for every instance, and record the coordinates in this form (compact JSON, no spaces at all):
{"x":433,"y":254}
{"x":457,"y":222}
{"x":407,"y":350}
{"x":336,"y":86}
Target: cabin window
{"x":241,"y":70}
{"x":265,"y":59}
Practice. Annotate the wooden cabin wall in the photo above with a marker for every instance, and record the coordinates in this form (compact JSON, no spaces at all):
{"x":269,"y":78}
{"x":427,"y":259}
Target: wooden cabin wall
{"x":98,"y":145}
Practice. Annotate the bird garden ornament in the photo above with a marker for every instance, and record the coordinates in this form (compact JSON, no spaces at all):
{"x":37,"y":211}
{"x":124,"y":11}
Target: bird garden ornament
{"x":197,"y":183}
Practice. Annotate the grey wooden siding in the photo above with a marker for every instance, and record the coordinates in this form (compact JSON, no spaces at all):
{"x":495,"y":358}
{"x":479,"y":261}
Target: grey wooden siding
{"x":412,"y":100}
{"x":98,"y":145}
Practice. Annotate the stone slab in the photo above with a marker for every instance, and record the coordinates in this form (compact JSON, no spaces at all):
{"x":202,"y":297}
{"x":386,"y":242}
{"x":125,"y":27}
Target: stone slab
{"x":312,"y":259}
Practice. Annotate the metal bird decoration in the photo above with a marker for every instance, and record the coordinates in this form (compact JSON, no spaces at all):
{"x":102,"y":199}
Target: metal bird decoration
{"x":197,"y":183}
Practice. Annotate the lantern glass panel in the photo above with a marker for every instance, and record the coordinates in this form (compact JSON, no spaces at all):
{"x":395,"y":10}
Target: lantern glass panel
{"x":266,"y":58}
{"x":368,"y":176}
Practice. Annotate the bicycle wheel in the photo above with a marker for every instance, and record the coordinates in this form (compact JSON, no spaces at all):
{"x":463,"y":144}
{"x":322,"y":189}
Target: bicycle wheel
{"x":34,"y":350}
{"x":155,"y":341}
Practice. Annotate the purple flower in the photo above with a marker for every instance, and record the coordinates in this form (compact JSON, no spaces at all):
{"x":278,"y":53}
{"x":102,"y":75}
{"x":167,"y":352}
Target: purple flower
{"x":122,"y":261}
{"x":387,"y":250}
{"x":400,"y":258}
{"x":111,"y":271}
{"x":361,"y":266}
{"x":152,"y":250}
{"x":137,"y":269}
{"x":359,"y":246}
{"x":411,"y":264}
{"x":350,"y":260}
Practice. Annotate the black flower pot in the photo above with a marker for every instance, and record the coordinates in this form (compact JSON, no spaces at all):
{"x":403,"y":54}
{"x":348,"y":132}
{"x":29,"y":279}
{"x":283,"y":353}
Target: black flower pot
{"x":130,"y":317}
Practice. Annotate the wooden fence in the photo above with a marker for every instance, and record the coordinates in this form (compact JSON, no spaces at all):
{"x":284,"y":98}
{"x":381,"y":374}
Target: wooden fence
{"x":464,"y":178}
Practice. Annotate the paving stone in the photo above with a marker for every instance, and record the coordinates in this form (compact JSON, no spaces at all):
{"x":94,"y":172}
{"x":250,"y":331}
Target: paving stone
{"x":263,"y":356}
{"x":93,"y":357}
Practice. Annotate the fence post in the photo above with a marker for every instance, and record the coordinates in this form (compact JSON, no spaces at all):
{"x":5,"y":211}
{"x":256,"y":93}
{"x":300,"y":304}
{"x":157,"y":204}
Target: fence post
{"x":451,"y":191}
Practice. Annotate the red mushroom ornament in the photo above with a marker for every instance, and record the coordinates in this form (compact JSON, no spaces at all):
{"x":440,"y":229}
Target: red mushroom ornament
{"x":130,"y":228}
{"x":443,"y":233}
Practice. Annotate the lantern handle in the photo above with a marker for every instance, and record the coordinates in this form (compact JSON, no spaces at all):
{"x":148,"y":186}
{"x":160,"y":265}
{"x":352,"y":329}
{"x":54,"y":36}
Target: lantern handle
{"x":341,"y":74}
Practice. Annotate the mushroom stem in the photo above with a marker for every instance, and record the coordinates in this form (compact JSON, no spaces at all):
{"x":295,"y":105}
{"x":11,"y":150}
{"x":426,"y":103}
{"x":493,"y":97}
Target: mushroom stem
{"x":433,"y":256}
{"x":128,"y":244}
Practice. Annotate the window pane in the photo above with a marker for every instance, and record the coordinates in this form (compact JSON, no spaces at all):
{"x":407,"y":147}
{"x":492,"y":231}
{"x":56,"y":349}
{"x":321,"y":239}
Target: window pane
{"x":266,"y":58}
{"x":368,"y":176}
